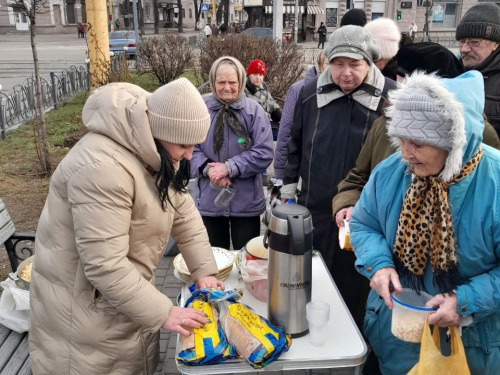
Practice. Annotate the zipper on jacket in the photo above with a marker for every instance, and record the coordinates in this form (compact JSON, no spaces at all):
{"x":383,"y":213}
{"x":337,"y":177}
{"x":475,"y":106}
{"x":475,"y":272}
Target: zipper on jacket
{"x":310,"y":158}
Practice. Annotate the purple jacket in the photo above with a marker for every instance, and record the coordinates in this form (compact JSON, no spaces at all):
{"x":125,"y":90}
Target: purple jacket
{"x":281,"y":152}
{"x":245,"y":165}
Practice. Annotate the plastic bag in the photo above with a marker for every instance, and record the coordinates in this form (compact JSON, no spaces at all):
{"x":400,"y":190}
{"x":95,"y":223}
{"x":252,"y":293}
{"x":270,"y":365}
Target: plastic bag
{"x":207,"y":345}
{"x":254,"y":274}
{"x":14,"y":307}
{"x":253,"y":336}
{"x":431,"y":360}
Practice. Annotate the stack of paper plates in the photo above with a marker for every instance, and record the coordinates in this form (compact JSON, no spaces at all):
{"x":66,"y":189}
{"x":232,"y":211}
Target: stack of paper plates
{"x":224,"y":259}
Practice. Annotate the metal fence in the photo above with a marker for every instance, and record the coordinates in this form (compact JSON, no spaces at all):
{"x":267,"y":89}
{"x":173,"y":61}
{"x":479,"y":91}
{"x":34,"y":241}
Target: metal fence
{"x":20,"y":104}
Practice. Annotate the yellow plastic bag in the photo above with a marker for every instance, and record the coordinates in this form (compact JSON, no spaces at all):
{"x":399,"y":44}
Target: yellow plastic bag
{"x":432,"y":362}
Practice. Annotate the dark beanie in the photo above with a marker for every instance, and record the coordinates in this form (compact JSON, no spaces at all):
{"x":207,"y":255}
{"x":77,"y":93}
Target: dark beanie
{"x":480,"y":21}
{"x":355,"y":17}
{"x":428,"y":57}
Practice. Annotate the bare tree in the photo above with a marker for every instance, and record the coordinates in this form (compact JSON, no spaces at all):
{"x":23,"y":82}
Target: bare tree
{"x":32,"y":9}
{"x":167,"y":56}
{"x":223,"y":10}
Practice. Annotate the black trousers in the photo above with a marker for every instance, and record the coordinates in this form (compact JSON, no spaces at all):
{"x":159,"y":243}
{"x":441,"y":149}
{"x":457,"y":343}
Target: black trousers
{"x":222,"y":230}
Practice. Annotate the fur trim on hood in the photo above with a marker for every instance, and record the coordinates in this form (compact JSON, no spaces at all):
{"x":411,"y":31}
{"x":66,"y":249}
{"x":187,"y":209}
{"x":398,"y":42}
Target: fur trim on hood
{"x":421,"y":121}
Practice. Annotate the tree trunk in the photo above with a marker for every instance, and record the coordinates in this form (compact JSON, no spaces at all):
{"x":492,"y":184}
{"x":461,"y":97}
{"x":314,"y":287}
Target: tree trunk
{"x":197,"y":12}
{"x":156,"y":16}
{"x":45,"y":160}
{"x":179,"y":18}
{"x":218,"y":14}
{"x":226,"y":13}
{"x":140,"y":14}
{"x":126,"y":10}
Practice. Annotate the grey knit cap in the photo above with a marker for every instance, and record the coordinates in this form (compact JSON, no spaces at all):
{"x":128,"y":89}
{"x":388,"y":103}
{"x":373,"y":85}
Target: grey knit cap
{"x":417,"y":117}
{"x":480,"y":21}
{"x":354,"y":42}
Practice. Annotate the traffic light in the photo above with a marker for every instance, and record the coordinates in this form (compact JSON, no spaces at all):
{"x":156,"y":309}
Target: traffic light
{"x":399,"y":15}
{"x":111,"y":17}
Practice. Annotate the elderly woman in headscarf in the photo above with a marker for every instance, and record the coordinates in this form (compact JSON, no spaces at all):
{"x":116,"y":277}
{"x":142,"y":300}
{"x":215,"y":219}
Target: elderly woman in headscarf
{"x":428,"y":219}
{"x":333,"y":115}
{"x":238,"y":148}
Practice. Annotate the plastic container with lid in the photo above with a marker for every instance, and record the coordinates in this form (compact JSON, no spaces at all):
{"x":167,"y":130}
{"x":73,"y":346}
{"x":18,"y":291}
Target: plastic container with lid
{"x":409,"y":313}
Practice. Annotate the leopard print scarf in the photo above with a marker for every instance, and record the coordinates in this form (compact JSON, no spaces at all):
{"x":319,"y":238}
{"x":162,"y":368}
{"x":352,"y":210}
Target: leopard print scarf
{"x":425,"y":230}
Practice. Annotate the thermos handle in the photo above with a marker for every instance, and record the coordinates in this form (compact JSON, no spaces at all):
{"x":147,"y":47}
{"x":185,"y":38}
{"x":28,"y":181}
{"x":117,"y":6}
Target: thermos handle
{"x":296,"y":227}
{"x":266,"y":238}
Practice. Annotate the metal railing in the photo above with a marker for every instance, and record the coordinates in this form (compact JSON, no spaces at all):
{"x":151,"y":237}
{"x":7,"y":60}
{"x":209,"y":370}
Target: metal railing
{"x":20,"y":104}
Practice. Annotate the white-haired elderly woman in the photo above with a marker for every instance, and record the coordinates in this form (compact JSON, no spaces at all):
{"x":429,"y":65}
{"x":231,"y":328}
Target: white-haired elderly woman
{"x":428,"y":219}
{"x":333,"y":117}
{"x":238,"y":148}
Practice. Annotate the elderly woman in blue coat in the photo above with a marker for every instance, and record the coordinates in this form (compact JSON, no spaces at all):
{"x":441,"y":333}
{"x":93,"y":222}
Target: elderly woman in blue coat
{"x":239,"y":146}
{"x":429,"y":219}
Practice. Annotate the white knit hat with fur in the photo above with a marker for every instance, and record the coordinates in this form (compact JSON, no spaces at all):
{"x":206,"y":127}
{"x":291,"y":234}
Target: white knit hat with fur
{"x":386,"y":33}
{"x":178,"y":114}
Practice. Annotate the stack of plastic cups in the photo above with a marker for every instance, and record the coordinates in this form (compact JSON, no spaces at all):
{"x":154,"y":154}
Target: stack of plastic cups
{"x":318,"y":314}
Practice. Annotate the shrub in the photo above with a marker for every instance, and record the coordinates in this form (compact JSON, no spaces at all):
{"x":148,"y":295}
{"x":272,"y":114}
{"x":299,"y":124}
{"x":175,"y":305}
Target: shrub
{"x":283,"y":60}
{"x":167,"y":56}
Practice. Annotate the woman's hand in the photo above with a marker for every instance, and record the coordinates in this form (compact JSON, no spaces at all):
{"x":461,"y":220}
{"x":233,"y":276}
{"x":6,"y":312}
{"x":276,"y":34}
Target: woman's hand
{"x":209,"y":282}
{"x":343,"y":214}
{"x":446,"y":315}
{"x":217,"y":171}
{"x":381,"y":283}
{"x":183,"y":319}
{"x":223,"y":182}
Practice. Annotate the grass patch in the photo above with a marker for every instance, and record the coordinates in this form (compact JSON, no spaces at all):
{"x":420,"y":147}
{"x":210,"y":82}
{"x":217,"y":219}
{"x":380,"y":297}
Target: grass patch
{"x":194,"y":76}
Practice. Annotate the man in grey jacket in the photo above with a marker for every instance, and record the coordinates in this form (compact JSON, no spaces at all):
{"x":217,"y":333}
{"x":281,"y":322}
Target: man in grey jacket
{"x":478,"y":35}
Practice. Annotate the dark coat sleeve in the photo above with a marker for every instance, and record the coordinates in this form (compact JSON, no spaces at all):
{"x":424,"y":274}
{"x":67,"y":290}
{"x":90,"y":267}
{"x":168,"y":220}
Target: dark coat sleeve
{"x":295,"y":144}
{"x":490,"y":135}
{"x":375,"y":149}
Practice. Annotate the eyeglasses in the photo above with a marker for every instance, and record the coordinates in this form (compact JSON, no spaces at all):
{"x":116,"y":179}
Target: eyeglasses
{"x":473,"y":43}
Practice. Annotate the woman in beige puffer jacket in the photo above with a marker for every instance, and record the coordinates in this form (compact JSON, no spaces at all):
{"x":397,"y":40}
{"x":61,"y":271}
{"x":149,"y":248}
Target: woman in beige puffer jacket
{"x":112,"y":204}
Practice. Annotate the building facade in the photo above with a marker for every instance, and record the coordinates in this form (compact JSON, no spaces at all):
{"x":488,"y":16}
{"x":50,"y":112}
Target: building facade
{"x":62,"y":16}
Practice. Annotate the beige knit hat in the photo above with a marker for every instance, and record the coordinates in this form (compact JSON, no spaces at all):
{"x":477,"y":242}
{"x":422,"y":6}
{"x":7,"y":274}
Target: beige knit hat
{"x":178,"y":114}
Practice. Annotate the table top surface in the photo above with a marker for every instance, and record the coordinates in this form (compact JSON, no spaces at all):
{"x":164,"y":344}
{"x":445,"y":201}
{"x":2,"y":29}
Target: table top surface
{"x":344,"y":347}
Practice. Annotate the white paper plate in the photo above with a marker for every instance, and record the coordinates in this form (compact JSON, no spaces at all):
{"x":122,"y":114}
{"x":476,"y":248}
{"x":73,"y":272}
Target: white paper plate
{"x":224,"y":259}
{"x":185,"y":279}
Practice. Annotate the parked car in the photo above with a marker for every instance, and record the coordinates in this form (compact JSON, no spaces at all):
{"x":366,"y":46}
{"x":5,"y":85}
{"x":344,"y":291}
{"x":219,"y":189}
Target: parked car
{"x":261,"y":32}
{"x":120,"y":39}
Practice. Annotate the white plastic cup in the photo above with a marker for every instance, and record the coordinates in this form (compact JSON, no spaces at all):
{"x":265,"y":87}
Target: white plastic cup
{"x":317,"y":314}
{"x":345,"y":236}
{"x":408,"y":314}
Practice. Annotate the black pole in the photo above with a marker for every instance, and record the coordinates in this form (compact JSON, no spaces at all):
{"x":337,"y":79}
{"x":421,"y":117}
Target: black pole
{"x":54,"y":96}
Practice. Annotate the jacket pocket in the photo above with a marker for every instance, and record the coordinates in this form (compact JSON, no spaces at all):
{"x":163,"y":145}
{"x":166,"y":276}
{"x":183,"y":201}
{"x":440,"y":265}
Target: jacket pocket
{"x":482,"y":345}
{"x":100,"y":304}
